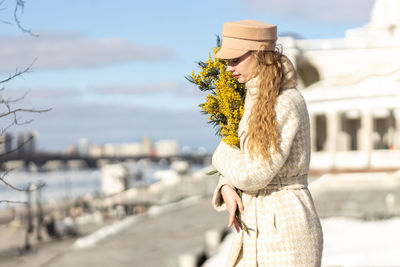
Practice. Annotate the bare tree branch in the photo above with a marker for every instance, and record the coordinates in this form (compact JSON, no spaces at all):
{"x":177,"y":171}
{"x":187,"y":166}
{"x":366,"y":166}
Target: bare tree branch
{"x":12,"y":202}
{"x":16,"y":149}
{"x":20,"y":5}
{"x":1,"y":2}
{"x":1,"y":20}
{"x":23,"y":110}
{"x":3,"y":101}
{"x":19,"y":73}
{"x":4,"y":21}
{"x":29,"y":189}
{"x":12,"y":112}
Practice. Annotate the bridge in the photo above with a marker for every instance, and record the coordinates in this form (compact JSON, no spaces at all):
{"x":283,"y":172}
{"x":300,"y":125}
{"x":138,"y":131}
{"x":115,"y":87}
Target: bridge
{"x":41,"y":158}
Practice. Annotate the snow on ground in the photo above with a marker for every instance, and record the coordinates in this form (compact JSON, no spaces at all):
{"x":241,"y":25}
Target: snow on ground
{"x":347,"y":242}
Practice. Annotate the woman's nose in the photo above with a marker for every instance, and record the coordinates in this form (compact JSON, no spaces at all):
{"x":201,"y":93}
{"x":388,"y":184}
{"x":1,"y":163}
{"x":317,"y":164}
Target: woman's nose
{"x":229,"y":68}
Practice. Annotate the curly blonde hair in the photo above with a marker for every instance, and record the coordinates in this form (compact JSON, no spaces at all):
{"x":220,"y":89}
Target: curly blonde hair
{"x":262,"y":136}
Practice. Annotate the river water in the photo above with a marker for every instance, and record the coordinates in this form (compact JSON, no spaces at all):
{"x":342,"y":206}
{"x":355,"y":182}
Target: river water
{"x":70,"y":184}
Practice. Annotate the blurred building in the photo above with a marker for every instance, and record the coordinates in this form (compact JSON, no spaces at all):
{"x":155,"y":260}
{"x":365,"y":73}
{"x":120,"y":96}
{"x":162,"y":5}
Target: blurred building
{"x":117,"y":150}
{"x":352,"y":88}
{"x":167,"y":148}
{"x":5,"y":143}
{"x":71,"y":150}
{"x":83,"y":147}
{"x":96,"y":151}
{"x":110,"y":150}
{"x":26,"y":142}
{"x":147,"y":146}
{"x":131,"y":149}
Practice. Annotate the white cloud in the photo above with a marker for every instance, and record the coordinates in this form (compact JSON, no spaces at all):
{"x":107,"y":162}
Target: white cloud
{"x":42,"y":92}
{"x":69,"y":50}
{"x":183,"y":88}
{"x":172,"y":95}
{"x":338,"y":11}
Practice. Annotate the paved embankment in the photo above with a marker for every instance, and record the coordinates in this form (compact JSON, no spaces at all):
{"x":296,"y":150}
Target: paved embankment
{"x":156,"y":238}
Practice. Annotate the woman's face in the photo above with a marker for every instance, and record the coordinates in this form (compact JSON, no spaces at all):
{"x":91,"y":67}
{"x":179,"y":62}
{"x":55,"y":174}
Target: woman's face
{"x":242,"y":67}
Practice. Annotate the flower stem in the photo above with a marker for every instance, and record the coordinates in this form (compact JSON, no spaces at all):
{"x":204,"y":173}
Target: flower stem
{"x":238,"y":216}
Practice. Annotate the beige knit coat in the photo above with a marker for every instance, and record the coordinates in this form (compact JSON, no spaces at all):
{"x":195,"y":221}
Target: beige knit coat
{"x":277,"y":203}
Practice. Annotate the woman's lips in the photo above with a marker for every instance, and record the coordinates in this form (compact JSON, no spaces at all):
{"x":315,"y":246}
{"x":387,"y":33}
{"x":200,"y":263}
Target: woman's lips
{"x":236,"y":76}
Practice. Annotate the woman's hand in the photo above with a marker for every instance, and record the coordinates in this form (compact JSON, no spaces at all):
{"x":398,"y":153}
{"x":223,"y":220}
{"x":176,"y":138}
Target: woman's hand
{"x":232,"y":201}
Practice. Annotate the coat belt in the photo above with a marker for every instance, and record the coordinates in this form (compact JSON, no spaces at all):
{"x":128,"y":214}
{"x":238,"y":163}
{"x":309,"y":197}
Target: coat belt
{"x":279,"y":183}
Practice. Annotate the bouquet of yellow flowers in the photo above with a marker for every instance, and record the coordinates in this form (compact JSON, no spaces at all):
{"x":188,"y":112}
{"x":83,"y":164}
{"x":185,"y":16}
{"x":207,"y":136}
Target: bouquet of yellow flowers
{"x":226,"y":99}
{"x":224,"y":104}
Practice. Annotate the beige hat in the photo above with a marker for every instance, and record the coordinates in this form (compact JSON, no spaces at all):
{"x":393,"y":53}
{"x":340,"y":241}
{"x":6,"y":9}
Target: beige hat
{"x":241,"y":36}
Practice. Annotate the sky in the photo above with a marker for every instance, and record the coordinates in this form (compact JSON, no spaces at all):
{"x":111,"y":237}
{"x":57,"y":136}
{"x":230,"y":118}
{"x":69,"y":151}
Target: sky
{"x":114,"y":71}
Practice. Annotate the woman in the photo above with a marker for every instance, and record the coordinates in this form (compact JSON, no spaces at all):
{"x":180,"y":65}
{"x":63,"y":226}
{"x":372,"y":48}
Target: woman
{"x":271,"y":166}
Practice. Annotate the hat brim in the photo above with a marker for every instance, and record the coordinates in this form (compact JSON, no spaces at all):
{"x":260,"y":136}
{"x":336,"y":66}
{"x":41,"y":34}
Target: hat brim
{"x":235,"y":47}
{"x":228,"y":53}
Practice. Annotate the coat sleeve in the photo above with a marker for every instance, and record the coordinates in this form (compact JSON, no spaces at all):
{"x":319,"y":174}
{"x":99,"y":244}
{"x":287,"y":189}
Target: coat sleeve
{"x":254,"y":174}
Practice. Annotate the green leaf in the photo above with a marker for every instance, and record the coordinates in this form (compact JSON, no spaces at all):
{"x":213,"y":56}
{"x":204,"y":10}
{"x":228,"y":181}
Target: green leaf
{"x":212,"y":172}
{"x":219,"y":41}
